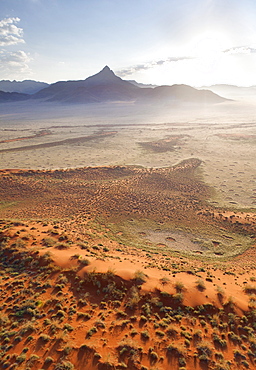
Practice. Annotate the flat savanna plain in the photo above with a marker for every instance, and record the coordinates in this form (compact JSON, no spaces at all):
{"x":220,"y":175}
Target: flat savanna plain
{"x":52,"y":137}
{"x":127,"y":237}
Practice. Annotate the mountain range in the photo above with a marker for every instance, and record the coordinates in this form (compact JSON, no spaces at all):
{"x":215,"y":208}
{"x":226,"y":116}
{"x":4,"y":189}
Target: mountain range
{"x":232,"y":91}
{"x":24,"y":87}
{"x":139,"y":84}
{"x":105,"y":86}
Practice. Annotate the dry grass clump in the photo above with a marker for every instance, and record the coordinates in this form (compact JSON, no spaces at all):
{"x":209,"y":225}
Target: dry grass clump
{"x":62,"y":246}
{"x":48,"y":241}
{"x":140,"y":277}
{"x":84,"y":314}
{"x":250,"y":289}
{"x":200,"y":284}
{"x":179,"y":286}
{"x":165,"y":280}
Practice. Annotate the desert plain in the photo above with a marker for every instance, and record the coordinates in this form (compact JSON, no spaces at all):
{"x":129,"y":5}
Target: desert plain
{"x":128,"y":236}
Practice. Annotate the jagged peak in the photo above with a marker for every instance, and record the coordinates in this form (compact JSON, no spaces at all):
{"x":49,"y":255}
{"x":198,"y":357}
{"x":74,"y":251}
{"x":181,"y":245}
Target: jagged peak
{"x":106,"y":71}
{"x":106,"y":75}
{"x":106,"y":68}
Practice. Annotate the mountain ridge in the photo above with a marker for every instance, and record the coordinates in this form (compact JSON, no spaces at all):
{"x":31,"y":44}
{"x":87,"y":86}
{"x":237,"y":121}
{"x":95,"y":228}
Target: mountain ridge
{"x":105,"y":86}
{"x":12,"y":96}
{"x":22,"y":87}
{"x":231,"y":91}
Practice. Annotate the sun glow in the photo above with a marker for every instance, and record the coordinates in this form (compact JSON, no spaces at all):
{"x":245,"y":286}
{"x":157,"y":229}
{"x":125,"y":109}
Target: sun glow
{"x":208,"y":45}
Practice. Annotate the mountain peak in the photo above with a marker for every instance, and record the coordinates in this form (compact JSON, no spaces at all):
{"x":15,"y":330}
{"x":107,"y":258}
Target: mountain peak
{"x":105,"y":76}
{"x":106,"y":68}
{"x":106,"y":72}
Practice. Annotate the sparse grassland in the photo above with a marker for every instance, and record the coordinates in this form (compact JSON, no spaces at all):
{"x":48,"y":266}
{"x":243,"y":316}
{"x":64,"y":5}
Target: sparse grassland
{"x":56,"y":317}
{"x":83,"y":287}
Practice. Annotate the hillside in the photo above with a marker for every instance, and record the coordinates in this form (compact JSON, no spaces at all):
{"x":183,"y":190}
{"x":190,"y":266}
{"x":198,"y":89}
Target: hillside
{"x":232,"y":91}
{"x":86,"y":284}
{"x":106,"y":86}
{"x":12,"y":97}
{"x":22,"y":87}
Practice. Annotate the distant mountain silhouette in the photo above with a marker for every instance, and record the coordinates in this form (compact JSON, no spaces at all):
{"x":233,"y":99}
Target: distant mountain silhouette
{"x":105,"y":86}
{"x":182,"y":93}
{"x":25,"y":87}
{"x":139,"y":84}
{"x":12,"y":97}
{"x":232,"y":91}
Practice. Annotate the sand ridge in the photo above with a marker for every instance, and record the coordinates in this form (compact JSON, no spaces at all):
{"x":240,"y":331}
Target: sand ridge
{"x":141,"y":315}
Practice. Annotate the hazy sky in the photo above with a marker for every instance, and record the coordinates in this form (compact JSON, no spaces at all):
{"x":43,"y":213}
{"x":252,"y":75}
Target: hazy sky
{"x":196,"y":42}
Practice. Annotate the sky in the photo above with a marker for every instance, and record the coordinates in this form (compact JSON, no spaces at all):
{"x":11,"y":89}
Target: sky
{"x":162,"y":42}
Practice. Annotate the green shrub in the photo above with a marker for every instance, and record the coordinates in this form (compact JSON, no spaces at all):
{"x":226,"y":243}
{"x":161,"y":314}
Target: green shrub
{"x":60,"y":313}
{"x":92,"y":331}
{"x":33,"y":358}
{"x":64,"y":365}
{"x":178,"y":297}
{"x":160,"y":333}
{"x":84,"y":262}
{"x":83,"y":315}
{"x":68,"y":327}
{"x":49,"y":360}
{"x":48,"y":242}
{"x":133,"y":298}
{"x":62,"y":246}
{"x":153,"y":356}
{"x":182,"y":361}
{"x":97,"y":356}
{"x":44,"y":337}
{"x":145,"y":335}
{"x":21,"y":359}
